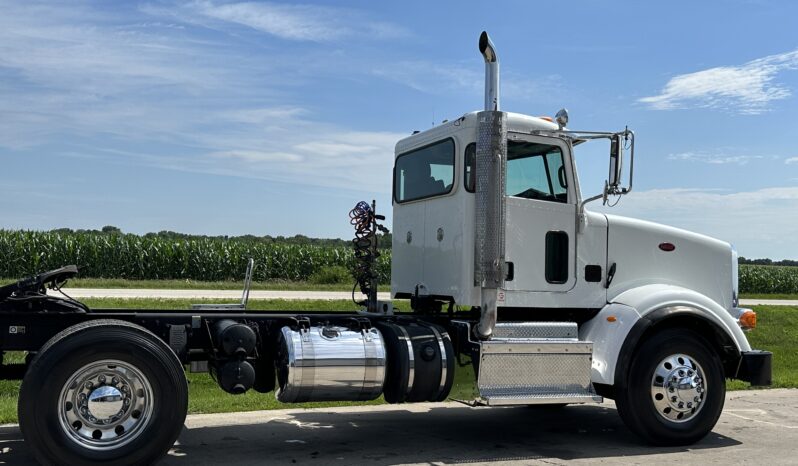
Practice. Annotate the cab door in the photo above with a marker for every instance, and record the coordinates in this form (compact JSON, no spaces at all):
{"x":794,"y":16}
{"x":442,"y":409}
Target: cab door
{"x":540,"y":204}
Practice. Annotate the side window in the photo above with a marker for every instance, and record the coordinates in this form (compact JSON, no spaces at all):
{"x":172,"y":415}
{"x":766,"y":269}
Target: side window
{"x":470,"y":167}
{"x":536,"y":171}
{"x":424,"y":172}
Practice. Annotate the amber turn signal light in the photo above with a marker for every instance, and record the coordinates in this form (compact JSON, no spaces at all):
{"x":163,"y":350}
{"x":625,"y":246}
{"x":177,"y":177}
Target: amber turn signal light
{"x":748,"y":320}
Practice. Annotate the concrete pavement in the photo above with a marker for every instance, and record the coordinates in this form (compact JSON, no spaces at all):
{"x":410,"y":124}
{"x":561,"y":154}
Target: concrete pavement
{"x":757,"y":427}
{"x":235,"y":295}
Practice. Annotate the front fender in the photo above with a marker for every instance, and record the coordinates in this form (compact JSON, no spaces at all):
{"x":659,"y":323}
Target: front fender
{"x":650,"y":298}
{"x":608,"y":331}
{"x":616,"y":329}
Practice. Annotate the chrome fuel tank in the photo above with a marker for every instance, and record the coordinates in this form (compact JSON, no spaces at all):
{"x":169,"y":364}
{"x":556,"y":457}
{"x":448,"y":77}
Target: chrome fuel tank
{"x":330,"y":363}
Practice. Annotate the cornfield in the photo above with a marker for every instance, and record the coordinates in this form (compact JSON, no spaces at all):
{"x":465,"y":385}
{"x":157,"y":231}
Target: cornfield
{"x":135,"y":257}
{"x":130,"y":256}
{"x":768,"y":279}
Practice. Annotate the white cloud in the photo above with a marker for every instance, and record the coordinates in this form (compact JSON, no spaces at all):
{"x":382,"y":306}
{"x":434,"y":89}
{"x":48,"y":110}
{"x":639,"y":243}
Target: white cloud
{"x":760,"y":223}
{"x":747,"y":88}
{"x":74,"y":83}
{"x":300,"y":22}
{"x":311,"y":153}
{"x":791,"y":160}
{"x":435,"y":77}
{"x":715,"y":158}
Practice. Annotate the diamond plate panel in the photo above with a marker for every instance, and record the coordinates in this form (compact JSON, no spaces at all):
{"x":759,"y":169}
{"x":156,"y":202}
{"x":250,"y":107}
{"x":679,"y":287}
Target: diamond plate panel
{"x":532,"y":374}
{"x":491,"y":158}
{"x":527,"y":330}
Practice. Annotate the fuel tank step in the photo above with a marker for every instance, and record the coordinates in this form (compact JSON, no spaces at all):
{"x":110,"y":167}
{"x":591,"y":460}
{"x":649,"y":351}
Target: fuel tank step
{"x":535,"y":363}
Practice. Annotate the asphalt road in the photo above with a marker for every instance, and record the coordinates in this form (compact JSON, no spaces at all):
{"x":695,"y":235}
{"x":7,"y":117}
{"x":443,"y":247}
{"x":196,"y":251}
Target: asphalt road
{"x":757,"y":427}
{"x":235,"y":295}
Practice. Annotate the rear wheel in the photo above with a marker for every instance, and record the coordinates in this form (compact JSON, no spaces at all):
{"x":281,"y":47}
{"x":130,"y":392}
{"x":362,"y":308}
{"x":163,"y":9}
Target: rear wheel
{"x":103,"y":392}
{"x":675,"y":389}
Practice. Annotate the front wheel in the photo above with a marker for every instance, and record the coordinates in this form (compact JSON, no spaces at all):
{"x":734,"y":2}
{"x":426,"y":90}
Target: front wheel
{"x":103,"y":392}
{"x":674,"y":391}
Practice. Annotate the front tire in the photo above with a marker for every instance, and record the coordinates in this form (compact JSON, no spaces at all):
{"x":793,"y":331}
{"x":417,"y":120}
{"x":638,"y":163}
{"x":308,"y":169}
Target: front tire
{"x":674,"y":390}
{"x":103,"y":392}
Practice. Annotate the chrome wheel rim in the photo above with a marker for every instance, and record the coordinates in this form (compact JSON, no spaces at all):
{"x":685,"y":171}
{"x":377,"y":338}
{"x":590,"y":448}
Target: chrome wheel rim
{"x":678,"y":388}
{"x":105,"y":405}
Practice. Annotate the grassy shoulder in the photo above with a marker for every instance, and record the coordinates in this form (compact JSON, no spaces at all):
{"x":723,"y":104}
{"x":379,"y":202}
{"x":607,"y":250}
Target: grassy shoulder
{"x":281,"y":285}
{"x":768,"y":296}
{"x":777,"y":332}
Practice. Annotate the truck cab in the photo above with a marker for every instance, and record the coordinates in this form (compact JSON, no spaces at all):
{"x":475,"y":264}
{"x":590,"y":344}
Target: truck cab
{"x":551,"y":259}
{"x":488,"y":216}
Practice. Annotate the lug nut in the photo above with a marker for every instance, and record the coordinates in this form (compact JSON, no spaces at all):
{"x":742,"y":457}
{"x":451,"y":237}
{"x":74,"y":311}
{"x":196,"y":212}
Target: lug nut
{"x":681,"y":404}
{"x":101,"y":379}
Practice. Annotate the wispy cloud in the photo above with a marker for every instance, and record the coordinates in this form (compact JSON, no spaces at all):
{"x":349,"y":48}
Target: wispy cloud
{"x":75,"y":83}
{"x":312,"y":153}
{"x":754,"y":221}
{"x":746,"y":89}
{"x":436,"y":77}
{"x":791,"y":160}
{"x":715,"y":158}
{"x":299,"y":22}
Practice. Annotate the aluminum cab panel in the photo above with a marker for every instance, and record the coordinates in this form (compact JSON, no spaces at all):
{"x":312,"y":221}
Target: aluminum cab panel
{"x":698,"y":262}
{"x":444,"y":266}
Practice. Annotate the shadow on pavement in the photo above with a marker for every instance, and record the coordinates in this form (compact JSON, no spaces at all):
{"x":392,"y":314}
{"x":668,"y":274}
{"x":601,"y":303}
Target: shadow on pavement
{"x":448,"y":435}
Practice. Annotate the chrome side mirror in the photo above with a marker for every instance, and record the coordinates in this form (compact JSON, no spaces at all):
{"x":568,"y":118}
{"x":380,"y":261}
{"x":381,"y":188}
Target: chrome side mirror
{"x":616,"y":162}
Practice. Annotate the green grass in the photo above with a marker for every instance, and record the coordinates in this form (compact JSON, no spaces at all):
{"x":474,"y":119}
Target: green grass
{"x":777,"y":331}
{"x":253,"y":305}
{"x":769,"y":296}
{"x":281,"y":285}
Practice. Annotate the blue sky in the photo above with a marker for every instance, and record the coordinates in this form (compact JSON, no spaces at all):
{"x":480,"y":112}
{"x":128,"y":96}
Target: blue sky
{"x":275,"y":118}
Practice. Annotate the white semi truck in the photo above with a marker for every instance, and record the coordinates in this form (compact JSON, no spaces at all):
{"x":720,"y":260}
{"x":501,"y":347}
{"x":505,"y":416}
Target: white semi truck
{"x":505,"y":268}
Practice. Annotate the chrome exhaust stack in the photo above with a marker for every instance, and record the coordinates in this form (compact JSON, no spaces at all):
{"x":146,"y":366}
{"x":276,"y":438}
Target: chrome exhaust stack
{"x":491,"y":160}
{"x":488,"y":52}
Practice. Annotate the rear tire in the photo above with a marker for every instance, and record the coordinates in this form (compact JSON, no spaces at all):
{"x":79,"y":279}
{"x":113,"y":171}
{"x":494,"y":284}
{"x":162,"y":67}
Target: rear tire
{"x":674,"y":391}
{"x":103,"y":392}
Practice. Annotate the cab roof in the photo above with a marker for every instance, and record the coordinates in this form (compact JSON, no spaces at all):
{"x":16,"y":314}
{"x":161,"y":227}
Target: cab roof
{"x":516,"y":122}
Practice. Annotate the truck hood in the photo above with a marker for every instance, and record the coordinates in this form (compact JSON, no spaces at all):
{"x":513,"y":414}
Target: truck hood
{"x":639,"y":250}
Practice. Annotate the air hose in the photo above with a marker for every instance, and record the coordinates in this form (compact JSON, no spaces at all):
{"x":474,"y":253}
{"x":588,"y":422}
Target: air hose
{"x":364,"y":218}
